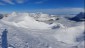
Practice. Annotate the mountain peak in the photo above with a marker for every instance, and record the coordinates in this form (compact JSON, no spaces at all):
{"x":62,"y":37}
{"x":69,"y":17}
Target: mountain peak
{"x":79,"y":17}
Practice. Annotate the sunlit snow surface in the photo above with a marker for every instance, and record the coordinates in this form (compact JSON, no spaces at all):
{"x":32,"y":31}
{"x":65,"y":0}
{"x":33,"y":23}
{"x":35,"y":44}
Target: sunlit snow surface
{"x":25,"y":32}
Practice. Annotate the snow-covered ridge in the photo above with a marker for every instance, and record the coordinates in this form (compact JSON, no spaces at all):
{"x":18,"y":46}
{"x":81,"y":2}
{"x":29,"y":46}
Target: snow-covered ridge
{"x":26,"y":21}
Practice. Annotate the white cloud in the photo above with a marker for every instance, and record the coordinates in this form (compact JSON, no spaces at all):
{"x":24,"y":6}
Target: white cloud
{"x":9,"y":1}
{"x":61,"y":10}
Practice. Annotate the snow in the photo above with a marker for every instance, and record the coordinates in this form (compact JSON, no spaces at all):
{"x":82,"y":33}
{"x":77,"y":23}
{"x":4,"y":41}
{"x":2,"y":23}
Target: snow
{"x":31,"y":23}
{"x":10,"y":47}
{"x":24,"y":20}
{"x":25,"y":32}
{"x":43,"y":17}
{"x":69,"y":35}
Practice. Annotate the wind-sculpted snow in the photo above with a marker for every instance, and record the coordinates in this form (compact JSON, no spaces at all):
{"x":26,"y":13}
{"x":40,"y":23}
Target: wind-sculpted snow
{"x":25,"y":32}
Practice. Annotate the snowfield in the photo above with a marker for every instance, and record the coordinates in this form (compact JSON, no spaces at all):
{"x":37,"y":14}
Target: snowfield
{"x":34,"y":30}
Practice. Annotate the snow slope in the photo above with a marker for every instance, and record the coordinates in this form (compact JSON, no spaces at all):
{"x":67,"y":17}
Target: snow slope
{"x":69,"y":35}
{"x":25,"y":32}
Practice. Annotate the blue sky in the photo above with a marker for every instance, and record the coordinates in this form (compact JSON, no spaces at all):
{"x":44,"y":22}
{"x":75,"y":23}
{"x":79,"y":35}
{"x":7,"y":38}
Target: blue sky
{"x":45,"y":6}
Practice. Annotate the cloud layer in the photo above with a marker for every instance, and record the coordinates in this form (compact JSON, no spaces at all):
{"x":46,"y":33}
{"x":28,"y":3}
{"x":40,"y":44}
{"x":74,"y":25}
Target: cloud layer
{"x":12,"y":2}
{"x":8,"y":1}
{"x":61,"y":10}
